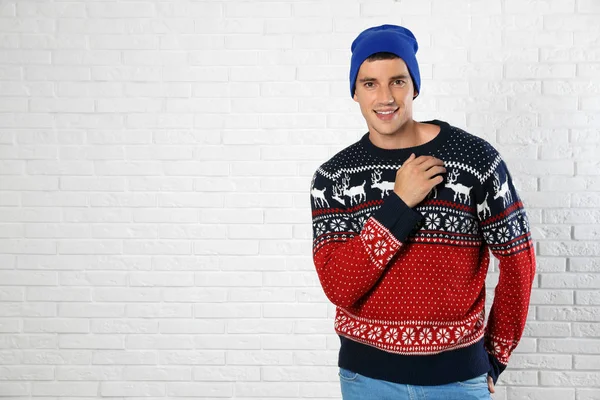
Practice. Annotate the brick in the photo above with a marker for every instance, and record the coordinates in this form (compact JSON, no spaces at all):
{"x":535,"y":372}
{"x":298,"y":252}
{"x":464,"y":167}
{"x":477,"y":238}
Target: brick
{"x":568,"y":378}
{"x":295,"y":310}
{"x":116,"y":294}
{"x":262,"y":357}
{"x":36,"y":341}
{"x":571,"y":280}
{"x":15,"y":294}
{"x":262,"y":294}
{"x":218,"y":390}
{"x":27,"y":373}
{"x":152,"y":342}
{"x":518,"y":378}
{"x":9,"y":326}
{"x":558,"y":313}
{"x":220,"y":342}
{"x":302,"y":373}
{"x":541,"y":361}
{"x":132,"y":326}
{"x":121,"y":10}
{"x":174,"y":326}
{"x":571,"y":345}
{"x":537,"y":329}
{"x":267,"y":390}
{"x":55,"y":325}
{"x":286,"y":342}
{"x":587,"y":297}
{"x":142,"y":389}
{"x":298,"y":25}
{"x":93,"y":373}
{"x":159,"y":310}
{"x":161,"y":279}
{"x":154,"y":373}
{"x":575,"y":22}
{"x":519,"y":393}
{"x":587,"y":394}
{"x":569,"y":248}
{"x":65,"y":389}
{"x":229,"y":310}
{"x":259,"y":326}
{"x":582,"y":216}
{"x":15,"y":389}
{"x":27,"y":278}
{"x":81,"y":310}
{"x":107,"y":357}
{"x":586,"y":362}
{"x":192,"y":357}
{"x":74,"y":341}
{"x":259,"y":42}
{"x":229,"y":374}
{"x":540,"y":296}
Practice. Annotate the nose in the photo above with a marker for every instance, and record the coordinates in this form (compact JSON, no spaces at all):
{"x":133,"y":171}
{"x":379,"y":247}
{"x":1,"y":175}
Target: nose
{"x":384,"y":95}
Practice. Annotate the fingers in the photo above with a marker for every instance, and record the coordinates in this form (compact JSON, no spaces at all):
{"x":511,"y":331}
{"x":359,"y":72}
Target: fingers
{"x":409,"y":159}
{"x":421,"y":159}
{"x":435,"y":170}
{"x":431,"y":162}
{"x":426,"y":162}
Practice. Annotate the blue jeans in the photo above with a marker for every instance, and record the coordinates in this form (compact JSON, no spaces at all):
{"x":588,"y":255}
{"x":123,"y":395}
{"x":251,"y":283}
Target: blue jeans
{"x":359,"y":387}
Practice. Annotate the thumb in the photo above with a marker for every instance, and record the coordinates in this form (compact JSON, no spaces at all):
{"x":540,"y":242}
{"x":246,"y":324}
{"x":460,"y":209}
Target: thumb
{"x":412,"y":157}
{"x":491,"y":387}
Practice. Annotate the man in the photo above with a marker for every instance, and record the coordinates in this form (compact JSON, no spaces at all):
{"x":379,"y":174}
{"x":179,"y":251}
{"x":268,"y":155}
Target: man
{"x":402,"y":223}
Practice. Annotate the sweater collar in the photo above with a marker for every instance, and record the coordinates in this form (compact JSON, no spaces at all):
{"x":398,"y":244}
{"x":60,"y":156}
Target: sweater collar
{"x":425,"y":148}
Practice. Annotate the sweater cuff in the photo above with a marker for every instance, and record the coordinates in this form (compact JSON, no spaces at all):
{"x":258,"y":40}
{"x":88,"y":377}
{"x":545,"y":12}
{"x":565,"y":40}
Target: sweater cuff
{"x":496,"y":368}
{"x":397,"y":216}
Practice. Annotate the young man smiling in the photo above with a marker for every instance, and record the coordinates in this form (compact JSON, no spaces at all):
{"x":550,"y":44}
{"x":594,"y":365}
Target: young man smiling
{"x":402,"y":223}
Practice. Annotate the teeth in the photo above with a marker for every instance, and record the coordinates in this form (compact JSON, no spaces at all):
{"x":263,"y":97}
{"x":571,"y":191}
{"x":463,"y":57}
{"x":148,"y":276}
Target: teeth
{"x":384,"y":112}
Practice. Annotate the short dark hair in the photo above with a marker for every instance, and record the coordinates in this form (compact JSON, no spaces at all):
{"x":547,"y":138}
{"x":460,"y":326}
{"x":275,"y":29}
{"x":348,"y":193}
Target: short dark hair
{"x":382,"y":55}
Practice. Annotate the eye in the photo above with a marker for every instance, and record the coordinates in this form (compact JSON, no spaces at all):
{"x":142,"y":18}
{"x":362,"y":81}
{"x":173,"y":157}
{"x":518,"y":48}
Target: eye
{"x":399,"y":82}
{"x":369,"y":84}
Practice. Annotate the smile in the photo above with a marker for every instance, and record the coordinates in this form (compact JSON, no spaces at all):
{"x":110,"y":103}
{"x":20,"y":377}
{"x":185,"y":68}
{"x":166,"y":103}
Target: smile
{"x":386,"y":112}
{"x":387,"y":115}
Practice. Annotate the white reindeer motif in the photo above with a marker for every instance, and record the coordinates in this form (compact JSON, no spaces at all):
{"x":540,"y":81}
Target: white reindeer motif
{"x":319,"y":194}
{"x":384,"y":186}
{"x":501,"y":191}
{"x":484,"y":207}
{"x":338,"y":192}
{"x":353,"y":191}
{"x":458,"y":188}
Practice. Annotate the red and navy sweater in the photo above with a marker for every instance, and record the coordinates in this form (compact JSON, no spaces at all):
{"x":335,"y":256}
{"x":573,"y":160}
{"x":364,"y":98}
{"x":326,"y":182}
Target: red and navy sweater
{"x":409,"y":283}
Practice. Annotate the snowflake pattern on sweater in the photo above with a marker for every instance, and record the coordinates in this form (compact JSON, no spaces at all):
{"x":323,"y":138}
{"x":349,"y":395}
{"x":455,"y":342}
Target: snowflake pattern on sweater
{"x":412,"y":281}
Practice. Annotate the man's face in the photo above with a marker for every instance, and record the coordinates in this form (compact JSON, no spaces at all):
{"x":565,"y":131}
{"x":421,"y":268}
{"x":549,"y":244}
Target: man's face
{"x":384,"y":91}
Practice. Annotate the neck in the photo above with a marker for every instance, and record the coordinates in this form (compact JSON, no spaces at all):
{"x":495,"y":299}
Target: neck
{"x":409,"y":135}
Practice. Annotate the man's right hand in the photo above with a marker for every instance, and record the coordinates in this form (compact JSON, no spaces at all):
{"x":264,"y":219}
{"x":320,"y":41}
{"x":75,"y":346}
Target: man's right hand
{"x":414,"y":179}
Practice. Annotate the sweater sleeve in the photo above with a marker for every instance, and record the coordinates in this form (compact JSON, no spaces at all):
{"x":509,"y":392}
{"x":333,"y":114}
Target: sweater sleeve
{"x":351,"y":252}
{"x":506,"y":232}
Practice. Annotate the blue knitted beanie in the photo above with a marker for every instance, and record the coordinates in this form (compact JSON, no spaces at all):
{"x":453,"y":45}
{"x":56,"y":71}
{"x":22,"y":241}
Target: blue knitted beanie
{"x":385,"y":38}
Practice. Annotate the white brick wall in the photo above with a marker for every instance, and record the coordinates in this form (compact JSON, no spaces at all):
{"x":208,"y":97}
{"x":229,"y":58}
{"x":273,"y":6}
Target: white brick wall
{"x":155,"y":159}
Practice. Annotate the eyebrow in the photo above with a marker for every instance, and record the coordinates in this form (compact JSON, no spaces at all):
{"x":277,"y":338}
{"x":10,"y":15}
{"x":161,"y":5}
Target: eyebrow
{"x":368,"y":79}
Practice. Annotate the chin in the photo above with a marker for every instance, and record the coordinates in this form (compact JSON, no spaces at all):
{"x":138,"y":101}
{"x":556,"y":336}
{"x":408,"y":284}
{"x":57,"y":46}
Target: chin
{"x":387,"y":129}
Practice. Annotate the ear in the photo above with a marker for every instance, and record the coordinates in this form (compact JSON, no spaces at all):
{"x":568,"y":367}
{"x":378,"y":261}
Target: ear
{"x":355,"y":97}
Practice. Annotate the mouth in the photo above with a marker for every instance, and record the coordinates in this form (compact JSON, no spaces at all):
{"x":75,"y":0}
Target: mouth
{"x":386,"y":115}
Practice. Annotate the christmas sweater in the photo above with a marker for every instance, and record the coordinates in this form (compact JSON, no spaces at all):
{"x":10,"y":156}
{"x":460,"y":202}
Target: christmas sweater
{"x":409,"y":283}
